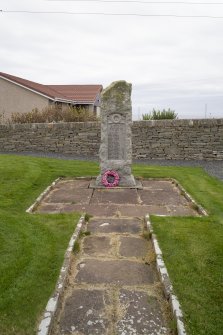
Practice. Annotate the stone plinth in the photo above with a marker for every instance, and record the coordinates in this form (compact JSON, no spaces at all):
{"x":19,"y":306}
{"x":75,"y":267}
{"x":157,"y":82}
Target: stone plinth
{"x":116,"y":136}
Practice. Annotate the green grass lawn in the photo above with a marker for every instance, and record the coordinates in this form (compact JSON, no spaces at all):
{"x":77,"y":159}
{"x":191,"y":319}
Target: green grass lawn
{"x":32,"y":246}
{"x":193,"y":249}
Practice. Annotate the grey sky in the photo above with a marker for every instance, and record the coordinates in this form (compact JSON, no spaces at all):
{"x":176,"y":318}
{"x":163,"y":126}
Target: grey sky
{"x":171,"y":62}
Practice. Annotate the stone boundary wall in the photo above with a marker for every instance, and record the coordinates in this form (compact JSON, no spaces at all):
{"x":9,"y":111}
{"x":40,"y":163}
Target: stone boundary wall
{"x":166,"y":139}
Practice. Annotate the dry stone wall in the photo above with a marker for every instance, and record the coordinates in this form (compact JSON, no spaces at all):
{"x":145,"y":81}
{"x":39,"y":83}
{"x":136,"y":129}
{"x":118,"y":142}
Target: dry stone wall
{"x":178,"y":139}
{"x":167,"y":139}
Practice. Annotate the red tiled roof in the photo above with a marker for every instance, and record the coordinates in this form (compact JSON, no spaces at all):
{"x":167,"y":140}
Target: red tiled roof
{"x":81,"y":93}
{"x":75,"y":93}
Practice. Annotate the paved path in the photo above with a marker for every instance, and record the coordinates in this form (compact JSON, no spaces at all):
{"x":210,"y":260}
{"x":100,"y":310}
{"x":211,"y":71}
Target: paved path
{"x":160,"y":197}
{"x":113,"y":286}
{"x":114,"y":289}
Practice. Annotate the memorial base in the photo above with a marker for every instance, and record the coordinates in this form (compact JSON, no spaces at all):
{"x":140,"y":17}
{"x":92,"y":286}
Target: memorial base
{"x":137,"y":185}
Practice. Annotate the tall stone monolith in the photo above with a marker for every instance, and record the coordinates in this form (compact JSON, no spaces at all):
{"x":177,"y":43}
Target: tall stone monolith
{"x":116,"y":135}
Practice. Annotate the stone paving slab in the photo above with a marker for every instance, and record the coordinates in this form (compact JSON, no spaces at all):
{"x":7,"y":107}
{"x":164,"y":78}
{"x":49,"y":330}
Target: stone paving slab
{"x":158,"y":198}
{"x":140,"y":211}
{"x":110,"y":292}
{"x":120,"y":225}
{"x":97,"y":245}
{"x":76,"y":195}
{"x":141,"y":314}
{"x":179,"y":210}
{"x":85,"y":313}
{"x":71,"y":184}
{"x":133,"y":247}
{"x":116,"y":272}
{"x":114,"y":196}
{"x":161,"y":197}
{"x":166,"y":185}
{"x":117,"y":210}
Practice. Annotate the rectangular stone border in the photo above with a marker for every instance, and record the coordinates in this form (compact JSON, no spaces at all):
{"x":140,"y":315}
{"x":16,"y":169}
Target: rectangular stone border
{"x":200,"y":209}
{"x":165,"y":280}
{"x":31,"y":209}
{"x":46,"y":322}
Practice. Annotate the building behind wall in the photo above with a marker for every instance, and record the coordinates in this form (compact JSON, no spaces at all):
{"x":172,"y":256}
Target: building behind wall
{"x":18,"y":95}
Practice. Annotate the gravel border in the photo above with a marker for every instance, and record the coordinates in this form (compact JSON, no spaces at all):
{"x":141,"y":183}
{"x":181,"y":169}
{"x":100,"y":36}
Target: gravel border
{"x":46,"y":322}
{"x":165,"y":280}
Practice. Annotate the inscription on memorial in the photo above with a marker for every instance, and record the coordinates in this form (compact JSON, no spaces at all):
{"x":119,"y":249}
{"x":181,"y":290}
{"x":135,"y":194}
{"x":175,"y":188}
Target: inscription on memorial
{"x":116,"y":141}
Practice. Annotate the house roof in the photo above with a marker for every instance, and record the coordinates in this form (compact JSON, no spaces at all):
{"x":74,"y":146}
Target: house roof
{"x":67,"y":93}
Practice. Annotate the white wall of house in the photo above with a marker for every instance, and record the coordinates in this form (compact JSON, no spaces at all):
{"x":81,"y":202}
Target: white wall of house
{"x":14,"y":98}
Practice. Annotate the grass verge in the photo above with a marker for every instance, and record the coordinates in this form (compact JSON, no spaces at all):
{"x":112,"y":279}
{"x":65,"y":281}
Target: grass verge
{"x":32,"y":246}
{"x":193,"y":249}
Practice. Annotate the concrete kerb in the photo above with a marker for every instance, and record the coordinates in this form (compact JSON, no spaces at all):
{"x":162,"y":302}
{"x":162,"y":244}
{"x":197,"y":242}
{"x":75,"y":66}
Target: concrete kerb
{"x":46,"y":322}
{"x":31,"y":209}
{"x":165,"y":280}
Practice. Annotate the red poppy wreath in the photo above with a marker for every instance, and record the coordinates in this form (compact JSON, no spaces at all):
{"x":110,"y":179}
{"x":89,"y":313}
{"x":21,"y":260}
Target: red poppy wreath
{"x":110,"y":178}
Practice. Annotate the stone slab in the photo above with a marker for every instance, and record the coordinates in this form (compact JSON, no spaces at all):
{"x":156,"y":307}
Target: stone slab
{"x":114,"y":196}
{"x":141,"y":314}
{"x":71,"y":184}
{"x":140,"y":211}
{"x":132,"y":226}
{"x":166,"y":185}
{"x":97,"y":245}
{"x":99,"y":210}
{"x":161,"y":197}
{"x":114,"y":210}
{"x":181,"y":210}
{"x":133,"y":247}
{"x":75,"y":195}
{"x":84,"y":313}
{"x":116,"y":272}
{"x":49,"y":208}
{"x":138,"y":185}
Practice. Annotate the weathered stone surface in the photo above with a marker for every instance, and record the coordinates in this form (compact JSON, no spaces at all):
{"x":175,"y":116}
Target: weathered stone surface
{"x":97,"y":245}
{"x":114,"y":196}
{"x":141,"y":314}
{"x":84,"y":313}
{"x":157,"y":197}
{"x":73,"y":184}
{"x":133,"y":247}
{"x":116,"y":136}
{"x":72,"y":195}
{"x":161,"y":197}
{"x":117,"y":272}
{"x":139,"y":211}
{"x":109,"y":225}
{"x":165,"y":185}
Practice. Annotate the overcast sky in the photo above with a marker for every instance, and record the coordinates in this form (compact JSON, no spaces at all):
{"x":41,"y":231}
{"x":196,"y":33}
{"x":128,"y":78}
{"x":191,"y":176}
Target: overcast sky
{"x":172,"y":62}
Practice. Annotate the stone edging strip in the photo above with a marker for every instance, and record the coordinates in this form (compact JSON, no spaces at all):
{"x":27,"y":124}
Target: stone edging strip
{"x":165,"y":279}
{"x":45,"y":324}
{"x":41,"y":196}
{"x":200,"y":209}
